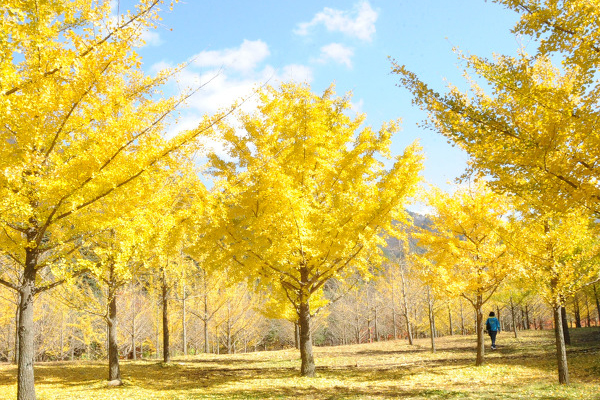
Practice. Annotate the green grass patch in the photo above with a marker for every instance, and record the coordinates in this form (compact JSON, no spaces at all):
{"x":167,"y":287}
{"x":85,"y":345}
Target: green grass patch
{"x":523,"y":368}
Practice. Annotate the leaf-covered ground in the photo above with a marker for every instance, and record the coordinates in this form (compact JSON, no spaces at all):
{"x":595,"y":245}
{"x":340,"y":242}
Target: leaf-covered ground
{"x":523,"y":368}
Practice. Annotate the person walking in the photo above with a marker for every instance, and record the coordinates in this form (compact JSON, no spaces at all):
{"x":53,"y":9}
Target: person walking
{"x":492,"y":325}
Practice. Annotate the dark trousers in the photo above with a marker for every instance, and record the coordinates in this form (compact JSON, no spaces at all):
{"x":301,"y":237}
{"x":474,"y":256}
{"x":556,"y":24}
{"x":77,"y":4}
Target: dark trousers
{"x":493,"y":337}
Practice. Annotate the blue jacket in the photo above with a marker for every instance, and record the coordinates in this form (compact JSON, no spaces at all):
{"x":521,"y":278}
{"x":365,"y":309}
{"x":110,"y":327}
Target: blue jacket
{"x":492,"y":324}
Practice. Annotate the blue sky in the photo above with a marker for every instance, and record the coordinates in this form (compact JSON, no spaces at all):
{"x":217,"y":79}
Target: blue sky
{"x":331,"y":41}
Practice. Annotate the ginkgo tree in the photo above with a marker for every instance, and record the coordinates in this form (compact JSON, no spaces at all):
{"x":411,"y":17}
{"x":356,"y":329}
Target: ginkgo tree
{"x":306,"y":197}
{"x":561,"y":255}
{"x":535,"y":129}
{"x":79,"y":122}
{"x":465,"y":254}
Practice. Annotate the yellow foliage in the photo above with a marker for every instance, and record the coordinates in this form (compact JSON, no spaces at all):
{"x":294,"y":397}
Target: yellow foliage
{"x":307,"y":197}
{"x":465,"y":254}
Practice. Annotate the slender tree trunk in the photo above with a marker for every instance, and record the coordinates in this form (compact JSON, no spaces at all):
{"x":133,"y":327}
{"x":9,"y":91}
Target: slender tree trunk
{"x":25,"y":378}
{"x":306,"y":354}
{"x":527,"y":322}
{"x":499,"y":319}
{"x":597,"y":304}
{"x":72,"y":346}
{"x":431,"y":320}
{"x":184,"y":323}
{"x":133,"y":315}
{"x":17,"y":313}
{"x":480,"y":335}
{"x":297,"y":335}
{"x":514,"y":320}
{"x":114,"y":372}
{"x":394,"y":324}
{"x":565,"y":326}
{"x":205,"y":321}
{"x":165,"y":319}
{"x":587,"y":311}
{"x":577,"y":311}
{"x":228,"y":327}
{"x":376,"y":325}
{"x":157,"y":338}
{"x":409,"y":332}
{"x":561,"y":351}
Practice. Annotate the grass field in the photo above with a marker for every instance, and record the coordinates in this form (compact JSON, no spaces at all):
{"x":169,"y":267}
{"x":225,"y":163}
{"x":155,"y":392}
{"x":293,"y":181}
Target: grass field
{"x":523,"y":368}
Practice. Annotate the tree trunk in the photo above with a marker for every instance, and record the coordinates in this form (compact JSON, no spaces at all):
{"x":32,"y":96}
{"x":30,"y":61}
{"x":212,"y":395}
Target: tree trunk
{"x":565,"y":326}
{"x":527,"y":322}
{"x":62,"y":335}
{"x":184,"y":323}
{"x":205,"y":321}
{"x":561,"y":351}
{"x":499,"y":319}
{"x":395,"y":329}
{"x":157,"y":338}
{"x":512,"y":314}
{"x":114,"y":372}
{"x":409,"y":332}
{"x":597,"y":304}
{"x":165,"y":320}
{"x":588,"y":318}
{"x":228,"y":328}
{"x":297,"y":335}
{"x":133,"y":333}
{"x":376,"y":325}
{"x":577,"y":311}
{"x":431,"y":321}
{"x":17,"y":312}
{"x":480,"y":335}
{"x":306,"y":354}
{"x":25,"y":379}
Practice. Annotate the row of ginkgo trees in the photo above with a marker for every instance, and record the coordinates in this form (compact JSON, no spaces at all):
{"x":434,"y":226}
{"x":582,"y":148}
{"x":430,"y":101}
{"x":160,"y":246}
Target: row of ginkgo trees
{"x":534,"y":135}
{"x":479,"y":240}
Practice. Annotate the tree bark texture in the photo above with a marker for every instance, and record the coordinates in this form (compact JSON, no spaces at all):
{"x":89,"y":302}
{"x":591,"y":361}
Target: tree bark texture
{"x":205,"y":321}
{"x":480,"y":334}
{"x":597,"y":303}
{"x":307,"y":367}
{"x":114,"y":371}
{"x":561,"y":350}
{"x":165,"y":321}
{"x":25,"y":378}
{"x":514,"y":319}
{"x":409,"y":332}
{"x":184,"y":323}
{"x":17,"y":313}
{"x":431,"y":321}
{"x":577,"y":311}
{"x":565,"y":325}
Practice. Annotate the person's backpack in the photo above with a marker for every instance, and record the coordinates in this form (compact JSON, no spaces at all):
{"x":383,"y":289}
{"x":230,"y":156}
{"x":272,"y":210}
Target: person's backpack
{"x":492,"y":324}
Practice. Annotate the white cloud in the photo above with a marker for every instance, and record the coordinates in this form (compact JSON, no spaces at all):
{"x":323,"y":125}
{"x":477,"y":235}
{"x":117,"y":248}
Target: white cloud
{"x":221,"y":87}
{"x":151,"y":38}
{"x":244,"y":58}
{"x":359,"y":23}
{"x":338,"y":53}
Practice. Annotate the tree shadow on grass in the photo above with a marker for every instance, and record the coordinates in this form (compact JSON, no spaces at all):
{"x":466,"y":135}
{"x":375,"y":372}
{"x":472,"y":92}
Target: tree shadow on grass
{"x":340,"y":392}
{"x":8,"y":374}
{"x":70,"y":374}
